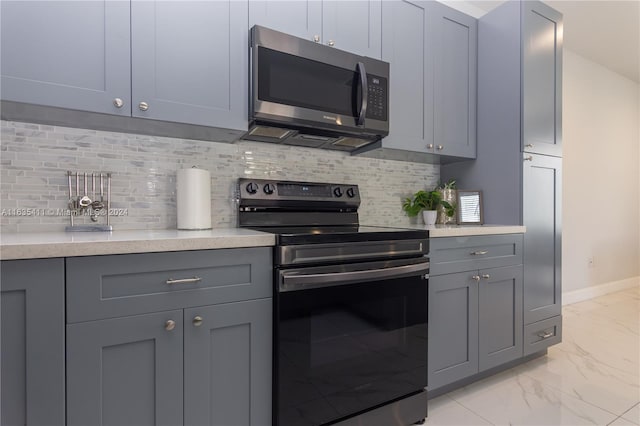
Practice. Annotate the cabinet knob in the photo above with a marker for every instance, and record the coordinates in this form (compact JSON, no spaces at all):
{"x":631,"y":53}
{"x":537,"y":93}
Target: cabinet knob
{"x":197,"y":321}
{"x":430,"y":146}
{"x":440,"y":147}
{"x":486,"y":276}
{"x":316,"y":38}
{"x":331,"y":43}
{"x":118,"y":103}
{"x":528,"y":158}
{"x":476,"y":277}
{"x":143,"y":106}
{"x":169,"y":325}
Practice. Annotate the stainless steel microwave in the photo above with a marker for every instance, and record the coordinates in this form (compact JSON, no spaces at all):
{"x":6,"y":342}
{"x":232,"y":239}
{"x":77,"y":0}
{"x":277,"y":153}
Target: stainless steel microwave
{"x":309,"y":94}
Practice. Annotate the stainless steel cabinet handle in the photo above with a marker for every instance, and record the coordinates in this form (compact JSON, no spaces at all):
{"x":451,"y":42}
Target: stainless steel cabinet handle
{"x":316,"y":38}
{"x":118,"y":103}
{"x":486,"y":276}
{"x":331,"y":43}
{"x":171,"y":281}
{"x":169,"y":325}
{"x":476,"y":277}
{"x":479,"y":253}
{"x":528,"y":158}
{"x":430,"y":146}
{"x":545,"y":334}
{"x":197,"y":321}
{"x":529,"y":145}
{"x":143,"y":106}
{"x":440,"y":147}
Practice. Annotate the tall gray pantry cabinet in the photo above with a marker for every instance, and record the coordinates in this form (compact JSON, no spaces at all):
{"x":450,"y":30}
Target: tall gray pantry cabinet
{"x":518,"y":165}
{"x":32,"y":345}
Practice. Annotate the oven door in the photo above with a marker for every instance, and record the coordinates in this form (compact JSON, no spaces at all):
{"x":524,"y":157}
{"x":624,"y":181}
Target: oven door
{"x":348,"y":338}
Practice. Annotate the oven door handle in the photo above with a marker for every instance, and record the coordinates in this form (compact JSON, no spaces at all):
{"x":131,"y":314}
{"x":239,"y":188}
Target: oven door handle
{"x":294,"y":280}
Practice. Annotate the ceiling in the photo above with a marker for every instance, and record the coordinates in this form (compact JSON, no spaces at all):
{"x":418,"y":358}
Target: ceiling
{"x":604,"y":31}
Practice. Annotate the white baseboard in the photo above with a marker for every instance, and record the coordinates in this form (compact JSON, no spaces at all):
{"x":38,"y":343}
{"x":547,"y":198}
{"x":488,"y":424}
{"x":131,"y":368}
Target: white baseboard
{"x":599,"y":290}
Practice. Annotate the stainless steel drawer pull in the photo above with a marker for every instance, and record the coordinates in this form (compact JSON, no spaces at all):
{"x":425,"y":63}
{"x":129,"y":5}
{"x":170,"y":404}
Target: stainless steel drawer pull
{"x":184,"y":280}
{"x":486,"y":276}
{"x":478,"y":253}
{"x":545,"y":334}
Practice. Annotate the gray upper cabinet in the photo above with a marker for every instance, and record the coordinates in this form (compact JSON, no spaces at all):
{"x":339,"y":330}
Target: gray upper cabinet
{"x":541,"y":79}
{"x":455,"y":64}
{"x":351,"y":25}
{"x":542,"y":215}
{"x":180,"y":62}
{"x":189,"y":62}
{"x":432,"y":50}
{"x":67,"y":54}
{"x":32,"y":345}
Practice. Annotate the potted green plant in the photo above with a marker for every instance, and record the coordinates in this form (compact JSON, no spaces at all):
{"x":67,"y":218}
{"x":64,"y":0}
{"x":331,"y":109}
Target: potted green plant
{"x":423,"y":201}
{"x":448,"y":204}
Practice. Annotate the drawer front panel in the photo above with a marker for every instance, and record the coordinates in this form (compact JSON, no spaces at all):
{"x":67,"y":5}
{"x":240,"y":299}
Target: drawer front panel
{"x":542,"y":334}
{"x":458,"y":254}
{"x":111,"y":286}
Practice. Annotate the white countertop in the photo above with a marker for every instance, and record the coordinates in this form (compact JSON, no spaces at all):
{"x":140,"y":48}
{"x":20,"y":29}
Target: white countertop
{"x":69,"y":244}
{"x":438,"y":231}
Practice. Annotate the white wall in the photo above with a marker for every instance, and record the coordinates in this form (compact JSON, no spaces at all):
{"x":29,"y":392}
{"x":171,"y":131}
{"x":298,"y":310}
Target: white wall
{"x":601,"y":181}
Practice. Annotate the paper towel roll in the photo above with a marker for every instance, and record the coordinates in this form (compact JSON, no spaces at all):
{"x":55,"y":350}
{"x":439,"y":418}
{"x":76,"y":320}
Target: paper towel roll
{"x":193,"y":187}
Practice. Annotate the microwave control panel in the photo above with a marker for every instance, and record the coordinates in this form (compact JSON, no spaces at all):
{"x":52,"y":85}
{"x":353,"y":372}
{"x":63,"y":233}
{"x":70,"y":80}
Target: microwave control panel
{"x":377,"y":105}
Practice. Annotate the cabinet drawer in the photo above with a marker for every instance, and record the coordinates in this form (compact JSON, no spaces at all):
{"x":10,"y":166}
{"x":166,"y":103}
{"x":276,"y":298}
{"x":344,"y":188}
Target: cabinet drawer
{"x":542,"y":334}
{"x":113,"y":286}
{"x":457,"y":254}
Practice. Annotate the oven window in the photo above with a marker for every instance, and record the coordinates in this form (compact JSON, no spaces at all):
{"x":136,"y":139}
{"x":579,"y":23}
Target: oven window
{"x":345,"y":349}
{"x":301,"y":82}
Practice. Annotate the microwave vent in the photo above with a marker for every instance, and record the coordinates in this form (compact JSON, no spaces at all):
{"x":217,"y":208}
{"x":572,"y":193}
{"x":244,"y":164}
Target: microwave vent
{"x":311,"y":141}
{"x":262,"y":132}
{"x":350,"y":142}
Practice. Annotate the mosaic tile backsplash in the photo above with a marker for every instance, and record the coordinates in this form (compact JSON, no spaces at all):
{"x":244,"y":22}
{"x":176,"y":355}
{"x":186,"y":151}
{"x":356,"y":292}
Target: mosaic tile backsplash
{"x":34,"y":159}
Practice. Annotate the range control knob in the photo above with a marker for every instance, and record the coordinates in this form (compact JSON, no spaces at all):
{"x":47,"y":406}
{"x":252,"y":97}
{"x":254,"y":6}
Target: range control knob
{"x":351,"y":193}
{"x":252,"y":187}
{"x":269,"y":189}
{"x":337,"y":191}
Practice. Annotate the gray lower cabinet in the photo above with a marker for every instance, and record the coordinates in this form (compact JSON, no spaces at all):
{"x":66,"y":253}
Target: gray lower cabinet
{"x":173,"y":61}
{"x":475,"y":306}
{"x":433,"y":55}
{"x":170,"y":338}
{"x":32,"y":346}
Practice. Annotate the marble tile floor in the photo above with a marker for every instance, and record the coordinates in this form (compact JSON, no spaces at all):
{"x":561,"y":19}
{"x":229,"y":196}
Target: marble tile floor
{"x":591,"y":378}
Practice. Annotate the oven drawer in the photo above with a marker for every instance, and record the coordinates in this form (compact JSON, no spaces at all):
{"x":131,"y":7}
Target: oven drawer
{"x":459,"y":254}
{"x":112,"y":286}
{"x":542,"y":334}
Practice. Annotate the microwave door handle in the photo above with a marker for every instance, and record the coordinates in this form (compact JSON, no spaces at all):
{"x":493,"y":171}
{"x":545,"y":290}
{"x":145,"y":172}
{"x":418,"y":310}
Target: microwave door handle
{"x":365,"y":94}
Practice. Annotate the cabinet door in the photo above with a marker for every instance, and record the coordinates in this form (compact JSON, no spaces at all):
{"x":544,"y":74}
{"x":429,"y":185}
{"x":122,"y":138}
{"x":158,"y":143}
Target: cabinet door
{"x":189,"y":61}
{"x":125,"y":371}
{"x":300,"y":18}
{"x":32,"y":343}
{"x":542,"y":79}
{"x":67,"y":54}
{"x":453,"y":328}
{"x":353,"y":25}
{"x":500,"y":316}
{"x":404,"y":46}
{"x":455,"y":69}
{"x":542,"y":198}
{"x":227,"y":364}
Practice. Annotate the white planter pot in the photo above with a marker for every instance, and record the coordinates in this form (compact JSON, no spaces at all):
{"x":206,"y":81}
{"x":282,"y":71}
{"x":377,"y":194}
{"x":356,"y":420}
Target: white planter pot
{"x":429,"y":216}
